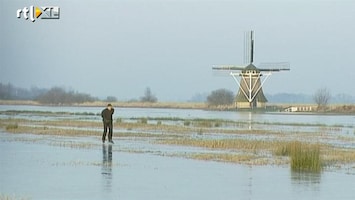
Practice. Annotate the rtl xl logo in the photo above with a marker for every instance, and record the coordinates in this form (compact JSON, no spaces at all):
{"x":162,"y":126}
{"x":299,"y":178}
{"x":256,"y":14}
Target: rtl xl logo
{"x":35,"y":12}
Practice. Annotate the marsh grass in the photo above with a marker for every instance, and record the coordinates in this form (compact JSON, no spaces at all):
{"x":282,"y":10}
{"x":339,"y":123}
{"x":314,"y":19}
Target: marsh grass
{"x":69,"y":123}
{"x":268,"y":144}
{"x":119,"y":120}
{"x":338,"y":156}
{"x":205,"y":124}
{"x":160,"y":118}
{"x":142,"y":120}
{"x":234,"y":158}
{"x":198,"y":122}
{"x":187,"y":123}
{"x":303,"y":156}
{"x":46,"y":113}
{"x":230,"y":144}
{"x":334,"y":128}
{"x":11,"y":126}
{"x":44,"y":130}
{"x":306,"y":158}
{"x":218,"y":124}
{"x":73,"y":145}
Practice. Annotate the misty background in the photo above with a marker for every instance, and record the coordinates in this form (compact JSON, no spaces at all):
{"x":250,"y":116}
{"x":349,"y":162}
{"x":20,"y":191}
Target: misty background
{"x":119,"y":48}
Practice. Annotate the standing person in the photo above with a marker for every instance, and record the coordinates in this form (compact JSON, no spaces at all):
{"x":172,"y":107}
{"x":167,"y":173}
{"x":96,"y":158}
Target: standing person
{"x":106,"y":115}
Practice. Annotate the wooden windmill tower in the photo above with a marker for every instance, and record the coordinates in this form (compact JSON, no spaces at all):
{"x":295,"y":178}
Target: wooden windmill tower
{"x":250,"y":78}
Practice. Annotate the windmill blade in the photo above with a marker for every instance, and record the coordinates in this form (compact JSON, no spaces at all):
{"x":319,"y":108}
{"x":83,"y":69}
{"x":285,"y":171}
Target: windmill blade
{"x":252,"y":47}
{"x":221,"y":73}
{"x":227,"y":67}
{"x":274,"y":66}
{"x":248,"y":47}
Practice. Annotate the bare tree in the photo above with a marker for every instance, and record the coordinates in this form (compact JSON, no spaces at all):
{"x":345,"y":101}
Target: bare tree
{"x":111,"y":99}
{"x":59,"y":96}
{"x":220,"y":97}
{"x":148,"y":96}
{"x":322,"y":97}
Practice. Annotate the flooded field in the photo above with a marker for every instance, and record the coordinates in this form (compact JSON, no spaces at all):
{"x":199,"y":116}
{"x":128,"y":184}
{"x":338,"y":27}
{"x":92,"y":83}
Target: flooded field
{"x":56,"y":153}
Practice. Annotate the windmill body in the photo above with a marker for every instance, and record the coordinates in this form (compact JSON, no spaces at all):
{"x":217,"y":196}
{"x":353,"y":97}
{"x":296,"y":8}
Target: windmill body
{"x":250,"y":79}
{"x":250,"y":93}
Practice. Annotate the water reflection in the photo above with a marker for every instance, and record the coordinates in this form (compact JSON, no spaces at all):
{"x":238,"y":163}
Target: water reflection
{"x":106,"y":170}
{"x":306,"y":180}
{"x":250,"y":120}
{"x":250,"y":182}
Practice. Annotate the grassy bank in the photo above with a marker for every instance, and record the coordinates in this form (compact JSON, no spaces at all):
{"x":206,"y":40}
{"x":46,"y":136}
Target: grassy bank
{"x":332,"y":109}
{"x":177,"y":105}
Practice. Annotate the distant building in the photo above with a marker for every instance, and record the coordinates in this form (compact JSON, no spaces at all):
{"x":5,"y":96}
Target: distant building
{"x":299,"y":109}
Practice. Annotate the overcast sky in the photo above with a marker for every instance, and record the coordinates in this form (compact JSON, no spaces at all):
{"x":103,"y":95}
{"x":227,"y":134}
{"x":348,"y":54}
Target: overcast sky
{"x":118,"y":48}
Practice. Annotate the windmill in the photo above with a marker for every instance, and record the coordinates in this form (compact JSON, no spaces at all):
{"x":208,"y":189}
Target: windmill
{"x":250,"y":79}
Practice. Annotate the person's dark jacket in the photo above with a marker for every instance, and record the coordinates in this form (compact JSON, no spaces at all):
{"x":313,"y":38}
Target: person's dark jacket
{"x":106,"y":115}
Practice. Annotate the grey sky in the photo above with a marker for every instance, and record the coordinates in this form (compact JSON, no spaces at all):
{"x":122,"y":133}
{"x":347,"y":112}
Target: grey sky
{"x":120,"y":47}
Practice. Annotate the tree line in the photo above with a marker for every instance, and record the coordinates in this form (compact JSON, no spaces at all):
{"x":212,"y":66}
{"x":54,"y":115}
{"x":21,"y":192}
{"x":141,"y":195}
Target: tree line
{"x":55,"y":95}
{"x":10,"y":92}
{"x":58,"y":96}
{"x":61,"y":96}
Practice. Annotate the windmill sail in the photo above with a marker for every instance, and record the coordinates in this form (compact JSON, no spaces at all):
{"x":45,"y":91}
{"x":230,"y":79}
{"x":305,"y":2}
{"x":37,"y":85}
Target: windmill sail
{"x":252,"y":47}
{"x":274,"y":66}
{"x":228,"y":67}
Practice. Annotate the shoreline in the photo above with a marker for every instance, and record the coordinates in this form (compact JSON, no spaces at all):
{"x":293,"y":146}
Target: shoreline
{"x":334,"y":109}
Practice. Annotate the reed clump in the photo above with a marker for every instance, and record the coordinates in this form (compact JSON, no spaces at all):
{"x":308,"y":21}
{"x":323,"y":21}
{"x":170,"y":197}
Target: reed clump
{"x":303,"y":156}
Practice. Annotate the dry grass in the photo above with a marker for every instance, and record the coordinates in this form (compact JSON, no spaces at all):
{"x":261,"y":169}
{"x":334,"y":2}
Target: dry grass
{"x":11,"y":126}
{"x":75,"y":132}
{"x":230,"y":144}
{"x":12,"y":197}
{"x":334,"y":156}
{"x":303,"y":156}
{"x":70,"y":123}
{"x":233,"y":158}
{"x":19,"y":102}
{"x":248,"y":159}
